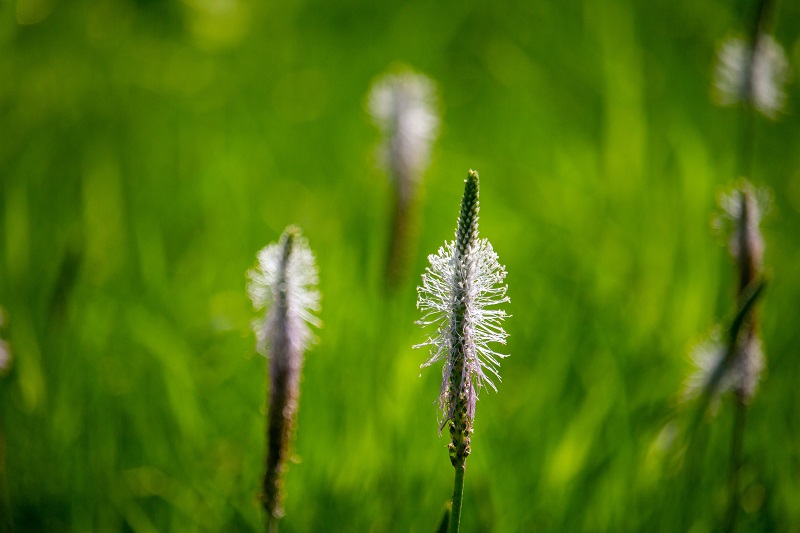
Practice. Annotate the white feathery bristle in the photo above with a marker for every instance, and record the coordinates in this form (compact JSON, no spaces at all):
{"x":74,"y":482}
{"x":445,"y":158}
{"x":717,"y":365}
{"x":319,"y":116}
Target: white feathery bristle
{"x":482,"y":322}
{"x":404,"y":107}
{"x":743,"y":372}
{"x":706,"y":357}
{"x":302,"y":296}
{"x":751,"y":75}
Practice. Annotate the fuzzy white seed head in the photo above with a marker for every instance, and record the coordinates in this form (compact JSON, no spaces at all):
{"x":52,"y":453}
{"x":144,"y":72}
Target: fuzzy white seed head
{"x":740,"y":220}
{"x":742,"y":211}
{"x":481,"y":324}
{"x":297,"y":280}
{"x":459,"y":292}
{"x":285,"y":283}
{"x":403,"y":106}
{"x":755,"y":75}
{"x":742,"y":372}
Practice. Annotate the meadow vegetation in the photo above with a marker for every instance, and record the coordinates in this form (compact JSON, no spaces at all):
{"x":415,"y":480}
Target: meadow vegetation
{"x":149,"y":149}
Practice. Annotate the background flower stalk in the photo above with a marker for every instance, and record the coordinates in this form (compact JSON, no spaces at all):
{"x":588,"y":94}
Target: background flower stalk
{"x":403,"y":106}
{"x":285,"y":284}
{"x":736,"y":362}
{"x":747,"y":249}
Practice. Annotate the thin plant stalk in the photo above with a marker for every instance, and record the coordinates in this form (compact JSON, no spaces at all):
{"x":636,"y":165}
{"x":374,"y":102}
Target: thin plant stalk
{"x":6,"y":524}
{"x":399,"y":240}
{"x":748,"y":121}
{"x":737,"y":452}
{"x":749,"y":248}
{"x":458,"y":497}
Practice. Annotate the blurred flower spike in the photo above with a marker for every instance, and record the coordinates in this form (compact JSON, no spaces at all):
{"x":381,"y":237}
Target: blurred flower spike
{"x":403,"y":106}
{"x":458,"y":294}
{"x":735,"y":363}
{"x":740,"y":375}
{"x":742,"y":211}
{"x":753,"y":74}
{"x":284,"y":283}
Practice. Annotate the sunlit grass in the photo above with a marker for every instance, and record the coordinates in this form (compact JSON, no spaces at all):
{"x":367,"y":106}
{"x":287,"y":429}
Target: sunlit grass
{"x":144,"y":156}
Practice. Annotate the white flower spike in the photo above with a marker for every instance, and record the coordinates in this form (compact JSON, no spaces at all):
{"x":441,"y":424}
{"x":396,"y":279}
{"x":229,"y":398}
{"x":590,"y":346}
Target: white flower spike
{"x":754,"y":74}
{"x":458,"y":294}
{"x":741,"y":376}
{"x":403,"y":107}
{"x":285,"y":284}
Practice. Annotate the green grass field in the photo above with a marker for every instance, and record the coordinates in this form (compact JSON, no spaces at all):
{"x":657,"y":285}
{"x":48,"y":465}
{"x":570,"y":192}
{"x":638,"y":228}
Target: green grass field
{"x":149,"y":149}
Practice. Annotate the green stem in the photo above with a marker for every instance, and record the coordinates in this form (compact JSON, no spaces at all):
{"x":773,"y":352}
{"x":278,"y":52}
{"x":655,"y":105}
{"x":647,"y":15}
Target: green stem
{"x":397,"y":256}
{"x":458,"y":496}
{"x":736,"y":463}
{"x":6,"y":525}
{"x":692,"y":485}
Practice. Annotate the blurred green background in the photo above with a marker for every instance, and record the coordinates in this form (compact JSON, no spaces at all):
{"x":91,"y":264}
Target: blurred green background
{"x":149,"y":149}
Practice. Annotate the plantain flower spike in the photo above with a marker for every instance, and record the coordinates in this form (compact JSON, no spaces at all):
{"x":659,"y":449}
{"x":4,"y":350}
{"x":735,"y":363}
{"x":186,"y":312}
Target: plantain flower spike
{"x":403,"y":107}
{"x":736,"y":364}
{"x":284,"y":283}
{"x":459,"y":292}
{"x":755,"y":74}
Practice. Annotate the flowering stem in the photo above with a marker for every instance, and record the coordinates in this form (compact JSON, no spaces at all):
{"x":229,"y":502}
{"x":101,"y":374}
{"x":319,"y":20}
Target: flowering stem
{"x":761,"y":20}
{"x":749,"y":262}
{"x":403,"y":107}
{"x":460,"y":381}
{"x":737,"y":448}
{"x":760,"y":27}
{"x":284,"y":283}
{"x":747,"y":126}
{"x":460,"y":284}
{"x":458,"y":497}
